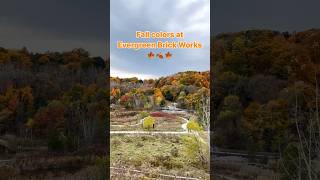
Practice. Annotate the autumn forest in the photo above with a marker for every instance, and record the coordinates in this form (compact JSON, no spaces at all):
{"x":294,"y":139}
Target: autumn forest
{"x":266,"y":96}
{"x":52,"y":105}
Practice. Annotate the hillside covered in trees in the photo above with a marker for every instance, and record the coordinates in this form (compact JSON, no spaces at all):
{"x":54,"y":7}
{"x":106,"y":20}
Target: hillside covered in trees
{"x":266,"y":95}
{"x":186,"y":89}
{"x":58,"y":98}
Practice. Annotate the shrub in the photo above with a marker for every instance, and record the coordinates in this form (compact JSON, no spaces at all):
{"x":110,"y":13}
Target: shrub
{"x":143,"y":114}
{"x":148,"y":122}
{"x":7,"y":172}
{"x":55,"y":143}
{"x":196,"y":151}
{"x":147,"y":106}
{"x":137,"y":160}
{"x":101,"y":164}
{"x":116,"y":142}
{"x":193,"y":125}
{"x":174,"y":152}
{"x":163,"y":114}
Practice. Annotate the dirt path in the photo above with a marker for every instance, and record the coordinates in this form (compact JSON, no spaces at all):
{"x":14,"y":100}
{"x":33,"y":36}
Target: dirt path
{"x":123,"y":170}
{"x":184,"y":125}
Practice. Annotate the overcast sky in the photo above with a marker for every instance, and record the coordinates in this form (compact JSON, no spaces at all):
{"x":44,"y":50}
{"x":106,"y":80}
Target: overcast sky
{"x":189,"y":16}
{"x":281,"y":15}
{"x":55,"y":25}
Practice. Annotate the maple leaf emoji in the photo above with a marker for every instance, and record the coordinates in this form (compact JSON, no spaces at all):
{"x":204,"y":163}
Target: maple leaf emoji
{"x":160,"y":56}
{"x":150,"y":55}
{"x":168,"y":55}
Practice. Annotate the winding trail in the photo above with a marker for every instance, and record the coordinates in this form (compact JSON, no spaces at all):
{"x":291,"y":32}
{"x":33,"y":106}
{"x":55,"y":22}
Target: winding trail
{"x":184,"y":125}
{"x":143,"y":172}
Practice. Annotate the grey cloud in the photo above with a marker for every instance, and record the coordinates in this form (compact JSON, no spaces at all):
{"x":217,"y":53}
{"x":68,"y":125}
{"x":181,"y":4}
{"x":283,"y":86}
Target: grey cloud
{"x":282,"y":15}
{"x":55,"y":20}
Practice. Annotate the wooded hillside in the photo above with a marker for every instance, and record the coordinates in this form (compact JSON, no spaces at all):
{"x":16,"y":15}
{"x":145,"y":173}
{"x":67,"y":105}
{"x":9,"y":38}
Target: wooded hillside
{"x":59,"y":97}
{"x":266,"y":95}
{"x":184,"y":88}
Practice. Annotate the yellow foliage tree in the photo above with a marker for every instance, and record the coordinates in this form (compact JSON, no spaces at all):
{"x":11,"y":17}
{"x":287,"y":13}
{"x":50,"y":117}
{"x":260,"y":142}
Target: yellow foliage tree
{"x":158,"y":96}
{"x":115,"y":92}
{"x":193,"y":125}
{"x":148,"y":122}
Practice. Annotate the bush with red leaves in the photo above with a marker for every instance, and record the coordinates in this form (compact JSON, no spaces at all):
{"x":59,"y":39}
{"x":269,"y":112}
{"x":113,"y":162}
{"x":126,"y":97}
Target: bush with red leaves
{"x":163,"y":114}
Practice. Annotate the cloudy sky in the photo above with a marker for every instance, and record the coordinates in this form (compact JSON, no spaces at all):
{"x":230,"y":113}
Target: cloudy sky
{"x":55,"y":25}
{"x":281,"y":15}
{"x":61,"y":25}
{"x":128,"y":16}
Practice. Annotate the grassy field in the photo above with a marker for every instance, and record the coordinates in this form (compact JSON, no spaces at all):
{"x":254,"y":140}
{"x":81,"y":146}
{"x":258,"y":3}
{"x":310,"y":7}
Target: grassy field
{"x":161,"y":154}
{"x":158,"y":156}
